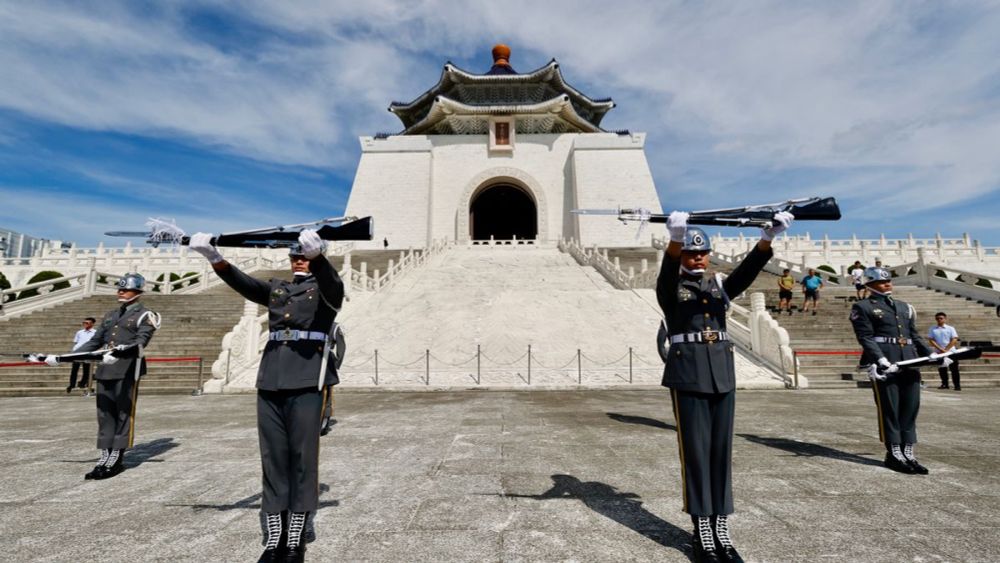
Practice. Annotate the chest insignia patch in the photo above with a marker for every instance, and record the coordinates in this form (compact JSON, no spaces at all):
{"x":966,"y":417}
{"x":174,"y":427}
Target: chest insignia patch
{"x":278,"y":292}
{"x":855,"y":315}
{"x":878,"y":313}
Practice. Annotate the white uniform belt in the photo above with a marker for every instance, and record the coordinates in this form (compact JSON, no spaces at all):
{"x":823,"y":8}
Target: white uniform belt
{"x":893,"y":340}
{"x":292,"y":335}
{"x":703,"y":336}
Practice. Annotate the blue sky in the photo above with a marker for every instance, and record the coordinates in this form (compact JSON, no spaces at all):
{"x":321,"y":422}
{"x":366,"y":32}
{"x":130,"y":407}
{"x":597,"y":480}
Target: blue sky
{"x":236,"y":114}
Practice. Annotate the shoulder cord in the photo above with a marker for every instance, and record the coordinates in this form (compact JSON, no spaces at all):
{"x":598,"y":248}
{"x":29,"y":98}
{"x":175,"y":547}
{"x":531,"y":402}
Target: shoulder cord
{"x":722,"y":288}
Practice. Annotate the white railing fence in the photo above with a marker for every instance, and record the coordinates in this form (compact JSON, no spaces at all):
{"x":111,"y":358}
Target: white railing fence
{"x":610,"y":268}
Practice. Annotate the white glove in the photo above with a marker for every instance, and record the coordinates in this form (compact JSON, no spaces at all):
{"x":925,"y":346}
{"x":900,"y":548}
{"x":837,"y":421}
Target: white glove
{"x":677,"y":224}
{"x":947,"y":362}
{"x":782,"y":220}
{"x":108,"y":359}
{"x":887,"y":366}
{"x":874,"y":374}
{"x":312,"y":245}
{"x":201,"y":243}
{"x":51,"y":360}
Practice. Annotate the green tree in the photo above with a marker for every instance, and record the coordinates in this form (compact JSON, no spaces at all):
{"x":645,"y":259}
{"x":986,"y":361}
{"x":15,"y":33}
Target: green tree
{"x":44,"y":275}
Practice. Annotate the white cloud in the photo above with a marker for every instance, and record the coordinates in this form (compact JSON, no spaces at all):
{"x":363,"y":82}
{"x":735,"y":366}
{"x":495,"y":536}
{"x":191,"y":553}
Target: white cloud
{"x":900,"y":96}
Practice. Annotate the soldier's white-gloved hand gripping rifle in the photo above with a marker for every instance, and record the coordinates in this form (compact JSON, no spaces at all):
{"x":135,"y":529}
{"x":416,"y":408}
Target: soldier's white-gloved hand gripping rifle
{"x":880,"y":371}
{"x":202,"y":244}
{"x":104,"y":355}
{"x":312,"y":245}
{"x":884,"y":368}
{"x":782,"y":221}
{"x":677,"y":224}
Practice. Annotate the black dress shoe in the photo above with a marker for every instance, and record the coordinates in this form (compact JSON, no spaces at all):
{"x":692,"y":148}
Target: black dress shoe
{"x":94,"y":473}
{"x":276,"y":555}
{"x":702,"y":555}
{"x":295,"y":554}
{"x":109,"y":472}
{"x":729,"y":555}
{"x":917,"y":468}
{"x":892,"y":463}
{"x":957,"y":388}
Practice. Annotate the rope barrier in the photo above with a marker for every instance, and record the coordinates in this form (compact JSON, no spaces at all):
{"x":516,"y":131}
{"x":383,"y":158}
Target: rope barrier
{"x":365,"y":361}
{"x":414,"y":362}
{"x":507,"y":364}
{"x":458,"y":365}
{"x":589,"y":359}
{"x":564,"y":366}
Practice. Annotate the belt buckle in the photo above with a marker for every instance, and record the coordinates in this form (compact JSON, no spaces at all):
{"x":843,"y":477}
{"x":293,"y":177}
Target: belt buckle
{"x":709,"y":335}
{"x":286,"y":334}
{"x":903,"y":341}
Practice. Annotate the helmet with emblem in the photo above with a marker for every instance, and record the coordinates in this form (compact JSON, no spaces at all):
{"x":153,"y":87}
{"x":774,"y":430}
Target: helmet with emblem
{"x":295,"y":250}
{"x":695,"y":240}
{"x":132,"y":281}
{"x":876,"y":274}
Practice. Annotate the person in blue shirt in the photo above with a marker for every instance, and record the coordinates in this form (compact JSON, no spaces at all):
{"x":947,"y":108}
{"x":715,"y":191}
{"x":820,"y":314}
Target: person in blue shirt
{"x":944,"y":337}
{"x":811,"y":285}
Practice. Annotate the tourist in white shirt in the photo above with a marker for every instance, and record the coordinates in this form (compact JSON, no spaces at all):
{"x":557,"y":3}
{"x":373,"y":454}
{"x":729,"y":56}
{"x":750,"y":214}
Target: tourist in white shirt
{"x":858,"y":275}
{"x":944,"y":337}
{"x":82,"y":336}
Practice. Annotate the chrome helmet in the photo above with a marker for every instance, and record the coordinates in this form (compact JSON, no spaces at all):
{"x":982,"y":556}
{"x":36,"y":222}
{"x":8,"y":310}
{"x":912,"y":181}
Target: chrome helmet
{"x":134,"y":282}
{"x":695,"y":240}
{"x":873,"y":274}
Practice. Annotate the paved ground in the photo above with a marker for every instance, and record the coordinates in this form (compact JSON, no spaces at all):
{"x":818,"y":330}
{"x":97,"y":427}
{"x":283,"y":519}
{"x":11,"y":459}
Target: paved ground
{"x":505,"y":476}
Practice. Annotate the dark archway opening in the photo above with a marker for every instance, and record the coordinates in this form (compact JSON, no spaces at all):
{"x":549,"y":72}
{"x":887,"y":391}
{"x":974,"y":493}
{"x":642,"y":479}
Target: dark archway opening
{"x":503,"y":212}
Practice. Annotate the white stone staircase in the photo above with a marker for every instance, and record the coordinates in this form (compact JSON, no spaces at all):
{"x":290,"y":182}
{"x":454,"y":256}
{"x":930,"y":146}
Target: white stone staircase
{"x":505,"y":299}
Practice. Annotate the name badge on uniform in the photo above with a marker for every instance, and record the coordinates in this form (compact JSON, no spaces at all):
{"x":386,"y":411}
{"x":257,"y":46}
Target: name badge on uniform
{"x":878,"y":313}
{"x":685,"y":294}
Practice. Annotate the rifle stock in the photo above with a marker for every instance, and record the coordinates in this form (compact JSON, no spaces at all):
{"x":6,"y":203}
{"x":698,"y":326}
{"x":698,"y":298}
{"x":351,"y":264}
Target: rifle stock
{"x":360,"y":229}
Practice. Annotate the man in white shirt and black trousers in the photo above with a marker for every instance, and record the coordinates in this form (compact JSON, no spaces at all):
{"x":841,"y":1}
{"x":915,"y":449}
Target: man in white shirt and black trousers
{"x":82,"y":336}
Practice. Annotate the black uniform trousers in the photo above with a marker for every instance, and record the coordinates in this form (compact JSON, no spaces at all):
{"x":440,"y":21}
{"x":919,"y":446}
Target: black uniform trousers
{"x":898,"y":400}
{"x":85,"y":382}
{"x":116,"y":399}
{"x":955,"y":379}
{"x":288,"y":424}
{"x":705,"y":438}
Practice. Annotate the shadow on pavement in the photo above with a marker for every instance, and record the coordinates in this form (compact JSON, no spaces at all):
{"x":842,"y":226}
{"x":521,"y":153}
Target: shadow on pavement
{"x":630,"y":419}
{"x":806,"y":449}
{"x":146,"y":451}
{"x":621,"y":507}
{"x":252,"y":502}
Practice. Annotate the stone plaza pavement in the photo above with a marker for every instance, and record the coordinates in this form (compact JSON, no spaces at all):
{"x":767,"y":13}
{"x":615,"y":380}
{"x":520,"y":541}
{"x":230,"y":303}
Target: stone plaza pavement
{"x":505,"y":476}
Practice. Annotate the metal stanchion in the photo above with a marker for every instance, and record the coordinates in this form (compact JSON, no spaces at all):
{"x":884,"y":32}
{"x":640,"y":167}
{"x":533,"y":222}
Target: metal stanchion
{"x":376,"y":366}
{"x":630,"y":364}
{"x":201,"y":364}
{"x":479,"y":373}
{"x":579,"y":368}
{"x":795,"y":368}
{"x":529,"y":364}
{"x":427,"y":371}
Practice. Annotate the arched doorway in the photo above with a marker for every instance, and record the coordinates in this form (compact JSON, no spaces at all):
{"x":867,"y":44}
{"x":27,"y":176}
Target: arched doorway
{"x":503,"y":211}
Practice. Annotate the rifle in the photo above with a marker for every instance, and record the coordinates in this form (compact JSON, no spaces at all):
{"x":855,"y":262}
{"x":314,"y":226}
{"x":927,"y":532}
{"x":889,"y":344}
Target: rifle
{"x":166,"y":231}
{"x":121,"y":351}
{"x":762,"y":216}
{"x":964,"y":353}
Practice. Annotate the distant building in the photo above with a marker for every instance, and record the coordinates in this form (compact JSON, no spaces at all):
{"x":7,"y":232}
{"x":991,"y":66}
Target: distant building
{"x":19,"y":245}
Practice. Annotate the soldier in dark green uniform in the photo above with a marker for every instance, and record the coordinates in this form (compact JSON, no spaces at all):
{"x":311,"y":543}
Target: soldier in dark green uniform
{"x":294,"y":369}
{"x":701,"y":375}
{"x":124,"y":331}
{"x":886,"y":329}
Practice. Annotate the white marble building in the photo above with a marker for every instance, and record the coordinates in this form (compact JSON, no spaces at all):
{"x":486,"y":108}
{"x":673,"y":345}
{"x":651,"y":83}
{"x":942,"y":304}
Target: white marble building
{"x":501,"y":154}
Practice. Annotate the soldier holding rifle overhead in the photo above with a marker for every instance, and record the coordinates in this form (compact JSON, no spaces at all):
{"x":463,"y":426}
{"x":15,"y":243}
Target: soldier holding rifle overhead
{"x":294,"y":370}
{"x":701,"y":375}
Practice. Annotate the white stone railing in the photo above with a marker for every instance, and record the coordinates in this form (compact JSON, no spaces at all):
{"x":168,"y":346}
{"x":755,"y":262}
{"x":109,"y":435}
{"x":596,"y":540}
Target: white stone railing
{"x":610,"y":268}
{"x":951,"y":280}
{"x":236,"y":367}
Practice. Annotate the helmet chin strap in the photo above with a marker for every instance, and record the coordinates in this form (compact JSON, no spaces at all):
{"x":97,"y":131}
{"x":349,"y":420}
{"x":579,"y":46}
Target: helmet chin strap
{"x":300,"y":273}
{"x":130,"y":299}
{"x":877,"y":292}
{"x":695,"y":272}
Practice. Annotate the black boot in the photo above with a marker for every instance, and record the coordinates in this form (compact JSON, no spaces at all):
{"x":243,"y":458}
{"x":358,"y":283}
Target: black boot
{"x":703,"y":542}
{"x":723,"y":543}
{"x":897,"y":463}
{"x":99,"y":468}
{"x":115,"y":465}
{"x":274,"y":541}
{"x":911,"y":460}
{"x":296,"y":552}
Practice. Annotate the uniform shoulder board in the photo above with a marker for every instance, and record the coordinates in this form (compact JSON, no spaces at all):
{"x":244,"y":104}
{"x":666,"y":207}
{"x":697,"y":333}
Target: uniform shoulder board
{"x":722,"y":288}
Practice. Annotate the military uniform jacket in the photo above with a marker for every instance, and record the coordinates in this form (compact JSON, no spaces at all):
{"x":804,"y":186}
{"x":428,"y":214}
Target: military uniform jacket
{"x":135,"y":324}
{"x":878,"y":316}
{"x":307,"y":303}
{"x":695,"y":305}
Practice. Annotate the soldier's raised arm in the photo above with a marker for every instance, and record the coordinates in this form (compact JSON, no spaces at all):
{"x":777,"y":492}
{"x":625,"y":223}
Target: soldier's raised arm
{"x":331,"y":287}
{"x":670,"y":270}
{"x":249,"y":287}
{"x":744,"y":274}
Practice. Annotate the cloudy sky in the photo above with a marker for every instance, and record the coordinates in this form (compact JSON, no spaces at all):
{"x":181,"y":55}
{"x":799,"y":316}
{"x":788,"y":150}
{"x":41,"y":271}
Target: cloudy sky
{"x":220,"y":113}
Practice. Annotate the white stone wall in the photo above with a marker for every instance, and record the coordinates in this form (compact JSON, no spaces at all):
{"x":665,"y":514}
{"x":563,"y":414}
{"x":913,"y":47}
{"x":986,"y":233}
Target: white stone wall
{"x":419,"y":188}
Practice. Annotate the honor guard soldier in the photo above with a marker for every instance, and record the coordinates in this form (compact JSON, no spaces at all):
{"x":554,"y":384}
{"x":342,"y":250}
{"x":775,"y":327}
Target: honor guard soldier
{"x":701,"y":375}
{"x":886,"y":329}
{"x":124,"y":332}
{"x":294,"y":370}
